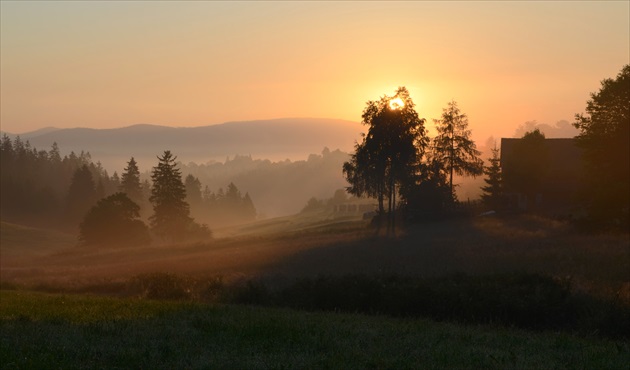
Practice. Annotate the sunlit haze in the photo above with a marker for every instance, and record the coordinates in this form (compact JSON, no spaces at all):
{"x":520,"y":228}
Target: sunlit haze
{"x":116,"y":63}
{"x":396,"y":103}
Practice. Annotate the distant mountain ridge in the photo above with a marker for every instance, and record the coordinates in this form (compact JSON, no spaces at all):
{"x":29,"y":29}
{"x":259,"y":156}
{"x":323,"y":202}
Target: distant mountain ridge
{"x":274,"y":139}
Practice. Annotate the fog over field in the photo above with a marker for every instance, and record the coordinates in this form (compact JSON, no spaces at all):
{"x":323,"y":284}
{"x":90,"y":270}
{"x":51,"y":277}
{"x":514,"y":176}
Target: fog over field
{"x":275,"y":140}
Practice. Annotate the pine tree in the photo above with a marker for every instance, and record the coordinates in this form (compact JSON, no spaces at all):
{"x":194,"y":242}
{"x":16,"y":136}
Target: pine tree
{"x":171,"y":213}
{"x":492,"y":192}
{"x":453,"y":145}
{"x":130,"y":182}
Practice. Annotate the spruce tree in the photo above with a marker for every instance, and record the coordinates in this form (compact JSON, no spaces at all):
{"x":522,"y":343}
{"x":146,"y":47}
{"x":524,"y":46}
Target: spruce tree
{"x":171,"y":213}
{"x":130,"y":182}
{"x":492,"y":192}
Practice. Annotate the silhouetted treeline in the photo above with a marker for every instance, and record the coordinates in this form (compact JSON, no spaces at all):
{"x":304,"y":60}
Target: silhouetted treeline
{"x":41,"y":188}
{"x":220,"y":208}
{"x":277,"y":188}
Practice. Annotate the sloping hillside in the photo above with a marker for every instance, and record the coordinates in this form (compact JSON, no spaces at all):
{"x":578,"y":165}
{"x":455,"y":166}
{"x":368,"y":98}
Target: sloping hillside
{"x":277,"y":139}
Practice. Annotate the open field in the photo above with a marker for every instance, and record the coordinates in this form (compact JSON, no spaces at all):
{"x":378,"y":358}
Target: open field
{"x":45,"y":331}
{"x":449,"y":271}
{"x":308,"y":247}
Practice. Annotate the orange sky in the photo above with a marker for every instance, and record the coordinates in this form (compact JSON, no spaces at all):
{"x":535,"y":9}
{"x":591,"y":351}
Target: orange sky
{"x":113,"y":64}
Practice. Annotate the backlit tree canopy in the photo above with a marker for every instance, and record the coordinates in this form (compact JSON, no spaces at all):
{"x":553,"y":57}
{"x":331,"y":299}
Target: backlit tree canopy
{"x":605,"y":137}
{"x":390,"y":152}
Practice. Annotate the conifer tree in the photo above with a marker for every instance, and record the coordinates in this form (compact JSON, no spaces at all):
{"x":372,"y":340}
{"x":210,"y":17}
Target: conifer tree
{"x":130,"y":182}
{"x":171,"y":213}
{"x":453,"y":145}
{"x":492,"y":192}
{"x":168,"y":196}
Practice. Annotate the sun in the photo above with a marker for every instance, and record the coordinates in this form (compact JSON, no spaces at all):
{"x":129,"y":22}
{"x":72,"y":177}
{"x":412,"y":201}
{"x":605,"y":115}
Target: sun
{"x":396,"y":103}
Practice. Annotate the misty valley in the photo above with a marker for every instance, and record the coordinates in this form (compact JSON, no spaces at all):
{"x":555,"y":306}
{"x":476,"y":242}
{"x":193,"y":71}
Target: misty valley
{"x":399,"y":248}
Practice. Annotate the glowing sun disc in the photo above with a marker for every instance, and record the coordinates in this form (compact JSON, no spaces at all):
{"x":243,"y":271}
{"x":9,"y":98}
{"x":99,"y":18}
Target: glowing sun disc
{"x":396,"y":103}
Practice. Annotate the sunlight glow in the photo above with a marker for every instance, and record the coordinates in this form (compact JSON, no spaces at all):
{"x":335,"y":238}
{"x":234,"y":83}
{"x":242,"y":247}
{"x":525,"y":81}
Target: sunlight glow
{"x":396,"y":103}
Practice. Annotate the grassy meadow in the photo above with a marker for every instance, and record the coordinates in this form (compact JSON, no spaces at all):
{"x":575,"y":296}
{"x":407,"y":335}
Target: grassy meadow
{"x":45,"y":331}
{"x":521,"y":291}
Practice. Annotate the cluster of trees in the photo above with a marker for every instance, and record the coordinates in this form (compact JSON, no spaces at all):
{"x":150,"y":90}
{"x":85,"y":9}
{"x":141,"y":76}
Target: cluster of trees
{"x":315,"y":204}
{"x":116,"y":219}
{"x":42,"y":188}
{"x":277,"y":188}
{"x":603,"y":135}
{"x":398,"y":160}
{"x":220,"y":208}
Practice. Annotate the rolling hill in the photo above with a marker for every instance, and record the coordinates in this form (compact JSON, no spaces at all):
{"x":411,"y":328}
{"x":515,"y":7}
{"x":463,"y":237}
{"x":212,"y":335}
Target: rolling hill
{"x":277,"y":139}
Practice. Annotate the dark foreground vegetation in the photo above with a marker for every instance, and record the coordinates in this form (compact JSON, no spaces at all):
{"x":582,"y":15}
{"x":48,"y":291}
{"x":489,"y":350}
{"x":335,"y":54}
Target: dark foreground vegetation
{"x":46,"y":331}
{"x":527,"y":301}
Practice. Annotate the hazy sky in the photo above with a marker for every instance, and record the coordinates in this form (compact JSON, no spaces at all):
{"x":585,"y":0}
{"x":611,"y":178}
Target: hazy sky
{"x":117,"y":63}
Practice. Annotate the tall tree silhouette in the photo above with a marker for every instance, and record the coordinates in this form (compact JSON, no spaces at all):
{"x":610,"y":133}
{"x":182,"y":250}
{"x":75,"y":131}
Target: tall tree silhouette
{"x":390,"y":152}
{"x":130,"y":182}
{"x":453,"y":145}
{"x":171,"y":214}
{"x":492,"y":191}
{"x":605,"y":137}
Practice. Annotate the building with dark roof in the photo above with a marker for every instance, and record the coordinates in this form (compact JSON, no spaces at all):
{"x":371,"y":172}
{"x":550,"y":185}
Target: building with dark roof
{"x":563,"y":176}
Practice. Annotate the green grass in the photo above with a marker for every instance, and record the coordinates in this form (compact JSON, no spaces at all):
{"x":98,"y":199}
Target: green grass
{"x":46,"y":331}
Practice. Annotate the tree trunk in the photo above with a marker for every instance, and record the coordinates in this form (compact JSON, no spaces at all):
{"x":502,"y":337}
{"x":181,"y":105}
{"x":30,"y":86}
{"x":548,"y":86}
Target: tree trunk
{"x":394,"y":210}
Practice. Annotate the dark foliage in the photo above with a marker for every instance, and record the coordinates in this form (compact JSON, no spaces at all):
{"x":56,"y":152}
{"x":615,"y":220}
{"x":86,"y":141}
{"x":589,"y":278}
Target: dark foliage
{"x":113,"y":221}
{"x":521,"y":300}
{"x":493,"y":191}
{"x":171,"y":213}
{"x":605,"y":138}
{"x":35,"y":185}
{"x":388,"y":157}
